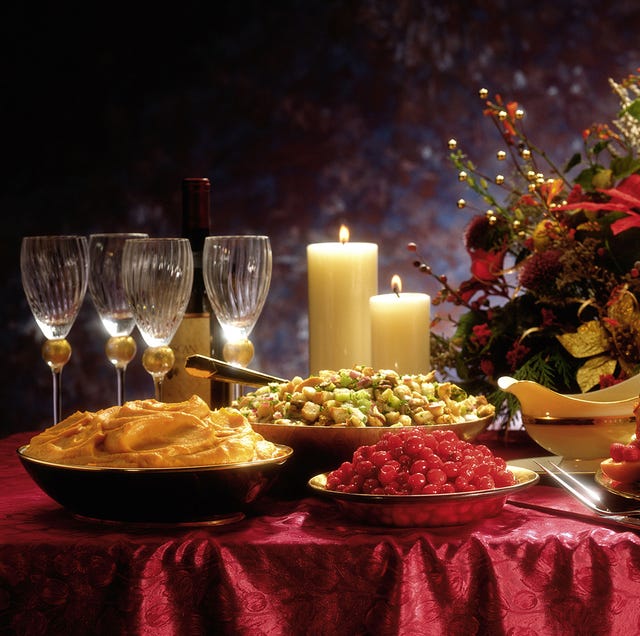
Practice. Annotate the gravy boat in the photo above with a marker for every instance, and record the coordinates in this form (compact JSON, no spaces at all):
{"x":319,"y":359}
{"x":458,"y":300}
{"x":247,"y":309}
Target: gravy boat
{"x":538,"y":401}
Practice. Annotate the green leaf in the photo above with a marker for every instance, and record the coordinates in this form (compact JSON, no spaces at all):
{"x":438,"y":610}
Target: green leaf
{"x":633,"y":109}
{"x":624,"y":166}
{"x":573,"y":162}
{"x":600,"y":146}
{"x":466,"y":322}
{"x":585,"y":178}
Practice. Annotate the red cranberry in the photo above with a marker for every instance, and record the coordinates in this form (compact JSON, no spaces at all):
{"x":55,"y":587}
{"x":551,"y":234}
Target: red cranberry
{"x":415,"y":460}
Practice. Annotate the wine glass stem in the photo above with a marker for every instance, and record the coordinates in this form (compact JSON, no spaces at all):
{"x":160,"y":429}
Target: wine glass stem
{"x":235,"y":391}
{"x":120,"y":371}
{"x":157,"y":383}
{"x":56,"y":354}
{"x":57,"y":394}
{"x":120,"y":351}
{"x":240,"y":353}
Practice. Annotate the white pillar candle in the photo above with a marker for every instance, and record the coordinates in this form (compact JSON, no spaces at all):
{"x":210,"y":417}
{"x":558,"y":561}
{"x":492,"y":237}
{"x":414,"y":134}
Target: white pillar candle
{"x":400,"y":331}
{"x":342,"y":277}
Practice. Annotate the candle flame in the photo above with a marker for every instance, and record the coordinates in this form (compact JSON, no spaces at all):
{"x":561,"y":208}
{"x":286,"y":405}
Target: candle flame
{"x":396,"y":284}
{"x":344,"y":234}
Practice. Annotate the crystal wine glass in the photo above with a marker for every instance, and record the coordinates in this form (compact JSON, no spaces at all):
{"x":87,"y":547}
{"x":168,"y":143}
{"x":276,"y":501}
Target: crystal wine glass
{"x":54,"y":271}
{"x":157,"y":274}
{"x":107,"y":293}
{"x":237,"y":276}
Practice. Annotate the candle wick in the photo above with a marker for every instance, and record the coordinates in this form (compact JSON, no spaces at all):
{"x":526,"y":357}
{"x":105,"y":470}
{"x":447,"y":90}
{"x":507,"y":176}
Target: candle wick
{"x":396,"y":289}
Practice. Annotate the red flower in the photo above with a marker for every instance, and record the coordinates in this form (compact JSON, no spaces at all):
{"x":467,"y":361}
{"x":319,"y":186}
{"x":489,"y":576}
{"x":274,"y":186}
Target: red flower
{"x":468,"y":289}
{"x":540,"y":271}
{"x":517,"y":354}
{"x":509,"y":122}
{"x":481,"y":334}
{"x":550,"y":190}
{"x":527,"y":199}
{"x":548,"y":317}
{"x":486,"y":265}
{"x":576,"y":194}
{"x":625,"y":198}
{"x":627,"y":195}
{"x":487,"y":367}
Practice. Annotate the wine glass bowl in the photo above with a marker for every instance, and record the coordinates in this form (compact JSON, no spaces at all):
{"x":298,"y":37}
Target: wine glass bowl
{"x":157,"y":275}
{"x":237,"y":276}
{"x":54,"y":272}
{"x":107,"y":293}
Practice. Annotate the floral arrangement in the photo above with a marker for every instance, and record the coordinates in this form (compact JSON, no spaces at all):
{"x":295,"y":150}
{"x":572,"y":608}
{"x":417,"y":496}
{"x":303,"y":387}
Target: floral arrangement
{"x":555,"y":260}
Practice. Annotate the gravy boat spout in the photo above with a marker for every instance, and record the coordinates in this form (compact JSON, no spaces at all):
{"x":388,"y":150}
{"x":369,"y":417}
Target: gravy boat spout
{"x":537,"y":400}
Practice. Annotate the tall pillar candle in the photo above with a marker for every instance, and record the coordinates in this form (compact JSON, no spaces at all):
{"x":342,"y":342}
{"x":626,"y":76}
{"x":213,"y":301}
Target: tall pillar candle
{"x":400,"y":331}
{"x":342,"y":277}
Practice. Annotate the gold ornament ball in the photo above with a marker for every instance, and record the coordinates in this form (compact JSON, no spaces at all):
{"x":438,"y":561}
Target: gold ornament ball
{"x":453,"y":144}
{"x":499,"y":179}
{"x":501,"y":155}
{"x":483,"y":93}
{"x":56,"y":353}
{"x":120,"y":350}
{"x":462,"y":176}
{"x":158,"y":360}
{"x":461,"y":203}
{"x":238,"y":352}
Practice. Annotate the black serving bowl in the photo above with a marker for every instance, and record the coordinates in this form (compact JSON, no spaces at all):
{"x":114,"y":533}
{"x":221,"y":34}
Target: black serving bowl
{"x":322,"y":448}
{"x":214,"y":494}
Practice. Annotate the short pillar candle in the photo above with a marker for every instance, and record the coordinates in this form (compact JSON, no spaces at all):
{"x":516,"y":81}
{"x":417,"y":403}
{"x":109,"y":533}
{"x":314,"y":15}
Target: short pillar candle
{"x":400,"y":330}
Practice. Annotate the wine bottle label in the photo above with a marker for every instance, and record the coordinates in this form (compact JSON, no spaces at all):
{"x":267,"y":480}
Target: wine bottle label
{"x":192,"y":337}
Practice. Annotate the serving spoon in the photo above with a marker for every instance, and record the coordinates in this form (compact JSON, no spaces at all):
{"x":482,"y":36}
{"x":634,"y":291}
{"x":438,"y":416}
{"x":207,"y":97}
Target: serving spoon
{"x":205,"y":367}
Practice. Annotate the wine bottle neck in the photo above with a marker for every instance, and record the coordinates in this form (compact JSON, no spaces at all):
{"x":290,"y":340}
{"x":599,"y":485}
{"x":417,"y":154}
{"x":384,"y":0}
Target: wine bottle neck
{"x":196,"y":206}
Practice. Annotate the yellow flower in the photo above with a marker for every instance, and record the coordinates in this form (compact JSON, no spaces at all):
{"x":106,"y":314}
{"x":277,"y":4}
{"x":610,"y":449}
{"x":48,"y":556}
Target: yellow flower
{"x":546,"y":231}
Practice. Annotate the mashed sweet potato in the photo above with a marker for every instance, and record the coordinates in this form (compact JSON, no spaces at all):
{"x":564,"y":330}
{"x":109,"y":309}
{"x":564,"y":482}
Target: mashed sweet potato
{"x":152,"y":434}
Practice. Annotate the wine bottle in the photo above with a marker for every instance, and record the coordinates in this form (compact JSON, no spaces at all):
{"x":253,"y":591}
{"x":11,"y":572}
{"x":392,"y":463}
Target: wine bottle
{"x":199,"y":332}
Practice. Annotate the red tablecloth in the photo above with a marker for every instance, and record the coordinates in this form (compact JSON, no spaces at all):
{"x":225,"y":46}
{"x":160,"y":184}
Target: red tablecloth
{"x":298,"y":567}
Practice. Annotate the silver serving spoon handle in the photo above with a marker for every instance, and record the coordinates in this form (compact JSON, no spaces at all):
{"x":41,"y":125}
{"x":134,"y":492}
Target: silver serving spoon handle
{"x":204,"y":367}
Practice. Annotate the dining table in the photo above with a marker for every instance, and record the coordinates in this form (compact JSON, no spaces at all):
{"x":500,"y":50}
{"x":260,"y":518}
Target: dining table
{"x":544,"y":565}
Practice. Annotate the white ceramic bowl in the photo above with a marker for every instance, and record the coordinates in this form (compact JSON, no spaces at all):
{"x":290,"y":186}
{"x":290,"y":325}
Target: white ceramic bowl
{"x":579,"y":438}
